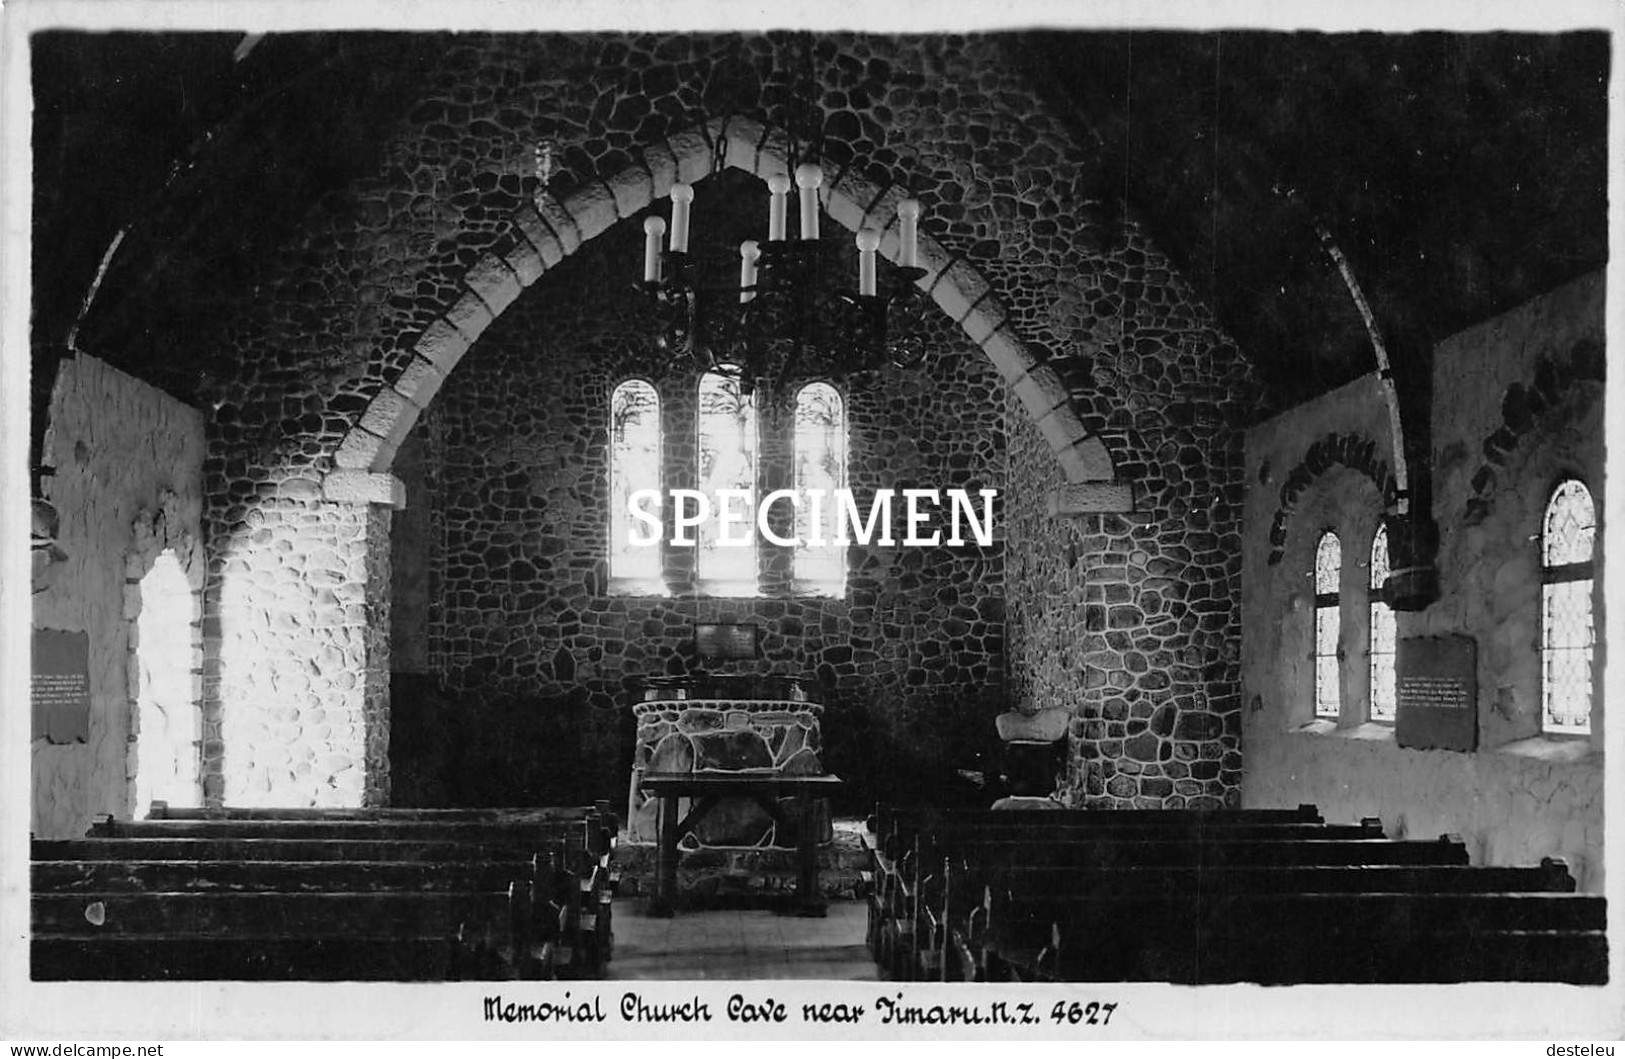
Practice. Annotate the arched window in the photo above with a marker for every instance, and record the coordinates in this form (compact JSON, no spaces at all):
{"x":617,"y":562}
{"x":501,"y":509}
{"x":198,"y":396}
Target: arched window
{"x":1328,"y":568}
{"x":820,"y":467}
{"x":725,"y":560}
{"x":1384,"y":633}
{"x":634,"y":464}
{"x":1568,"y":541}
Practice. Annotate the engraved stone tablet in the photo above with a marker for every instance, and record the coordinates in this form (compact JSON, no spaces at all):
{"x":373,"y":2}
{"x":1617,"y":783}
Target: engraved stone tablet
{"x":1436,"y":679}
{"x":61,"y":686}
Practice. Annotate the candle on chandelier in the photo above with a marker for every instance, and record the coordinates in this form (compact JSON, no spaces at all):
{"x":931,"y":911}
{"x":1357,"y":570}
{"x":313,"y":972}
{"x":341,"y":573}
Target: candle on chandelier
{"x":653,"y":229}
{"x":908,"y":219}
{"x":778,"y":185}
{"x":749,"y":251}
{"x":681,"y":196}
{"x":868,"y":243}
{"x":808,"y":177}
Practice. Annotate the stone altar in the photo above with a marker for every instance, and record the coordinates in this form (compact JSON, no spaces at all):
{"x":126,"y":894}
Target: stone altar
{"x":724,"y":723}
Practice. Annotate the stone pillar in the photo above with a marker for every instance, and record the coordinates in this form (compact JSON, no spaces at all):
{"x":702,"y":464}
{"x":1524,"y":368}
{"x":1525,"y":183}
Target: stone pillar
{"x":375,"y":703}
{"x":299,"y":620}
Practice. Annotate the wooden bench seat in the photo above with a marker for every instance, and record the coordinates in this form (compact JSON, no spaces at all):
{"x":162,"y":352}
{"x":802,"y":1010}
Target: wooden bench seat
{"x":160,"y":876}
{"x":894,"y":831}
{"x":1096,"y":852}
{"x":1157,"y":897}
{"x":1170,"y":831}
{"x":592,"y":827}
{"x":461,"y":934}
{"x":1278,"y":937}
{"x":481,"y":893}
{"x":947,"y":898}
{"x":1031,"y":951}
{"x":1550,"y":876}
{"x":1028,"y":952}
{"x":482,"y":832}
{"x":278,"y":849}
{"x":917,"y":818}
{"x":536,"y":814}
{"x":227,"y":914}
{"x":1223,"y":914}
{"x":134,"y":957}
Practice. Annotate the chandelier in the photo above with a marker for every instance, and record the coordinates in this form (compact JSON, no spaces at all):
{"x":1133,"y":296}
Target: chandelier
{"x":793,"y":315}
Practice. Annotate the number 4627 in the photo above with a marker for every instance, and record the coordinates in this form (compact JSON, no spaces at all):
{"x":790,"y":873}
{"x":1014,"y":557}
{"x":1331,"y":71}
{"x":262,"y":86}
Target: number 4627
{"x":1094,"y":1013}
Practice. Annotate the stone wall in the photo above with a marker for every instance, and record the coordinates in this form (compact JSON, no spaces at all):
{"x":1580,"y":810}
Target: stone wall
{"x":1522,"y":405}
{"x":518,"y":154}
{"x":1519,"y":394}
{"x":1131,"y":620}
{"x":124,"y":462}
{"x":301,"y":623}
{"x":536,"y":649}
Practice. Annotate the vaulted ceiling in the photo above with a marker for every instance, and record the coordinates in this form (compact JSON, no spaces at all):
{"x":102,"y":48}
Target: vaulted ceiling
{"x":1457,"y":174}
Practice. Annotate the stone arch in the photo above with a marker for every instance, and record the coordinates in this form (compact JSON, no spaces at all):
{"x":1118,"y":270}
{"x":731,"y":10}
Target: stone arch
{"x":1349,"y":450}
{"x":550,"y":229}
{"x":1522,"y":407}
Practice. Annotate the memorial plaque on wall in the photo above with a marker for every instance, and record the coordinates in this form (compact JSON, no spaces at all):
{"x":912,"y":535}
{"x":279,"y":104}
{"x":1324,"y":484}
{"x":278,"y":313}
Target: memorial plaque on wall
{"x":1436,"y":680}
{"x":61,"y":686}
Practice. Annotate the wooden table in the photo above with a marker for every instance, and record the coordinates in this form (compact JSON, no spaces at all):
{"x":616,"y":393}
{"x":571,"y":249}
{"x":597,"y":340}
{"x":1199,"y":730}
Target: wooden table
{"x":765,"y":789}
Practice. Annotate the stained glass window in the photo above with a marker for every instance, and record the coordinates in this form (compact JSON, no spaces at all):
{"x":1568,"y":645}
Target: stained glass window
{"x":1568,"y":542}
{"x":726,"y":565}
{"x":1328,"y":569}
{"x":1384,"y":633}
{"x":634,"y":464}
{"x":820,"y":466}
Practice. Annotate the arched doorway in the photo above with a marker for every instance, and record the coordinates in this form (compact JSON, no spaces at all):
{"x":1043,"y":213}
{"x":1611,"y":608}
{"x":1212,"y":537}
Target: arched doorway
{"x":167,"y":719}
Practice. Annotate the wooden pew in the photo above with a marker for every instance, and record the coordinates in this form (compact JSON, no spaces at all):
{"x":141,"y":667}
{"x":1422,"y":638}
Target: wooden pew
{"x":904,"y":909}
{"x":269,"y":849}
{"x":1213,"y":851}
{"x":443,"y":935}
{"x":253,"y":958}
{"x":894,"y":831}
{"x":949,"y":832}
{"x":1296,"y":937}
{"x":478,"y":832}
{"x":1166,"y":897}
{"x":405,"y":869}
{"x":407,"y":860}
{"x":578,"y":844}
{"x":952,"y":899}
{"x":902,"y":937}
{"x":161,"y":810}
{"x":887,"y":817}
{"x":588,"y":833}
{"x":240,"y":876}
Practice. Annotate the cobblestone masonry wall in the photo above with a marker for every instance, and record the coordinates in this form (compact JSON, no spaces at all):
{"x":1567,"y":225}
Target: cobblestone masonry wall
{"x":1519,"y":797}
{"x":125,"y":460}
{"x":537,"y":649}
{"x":302,"y":665}
{"x":355,"y":328}
{"x":1131,"y":620}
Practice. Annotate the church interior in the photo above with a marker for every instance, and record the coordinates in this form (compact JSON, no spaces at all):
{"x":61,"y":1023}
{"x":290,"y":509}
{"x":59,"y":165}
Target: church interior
{"x":1282,"y":356}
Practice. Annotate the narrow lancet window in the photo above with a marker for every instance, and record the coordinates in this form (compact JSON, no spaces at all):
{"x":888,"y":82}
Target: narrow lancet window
{"x":1567,"y":630}
{"x":1384,"y":633}
{"x":820,"y":468}
{"x":1328,"y":569}
{"x":725,"y":563}
{"x":634,"y":465}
